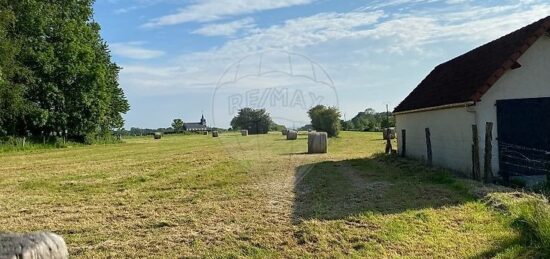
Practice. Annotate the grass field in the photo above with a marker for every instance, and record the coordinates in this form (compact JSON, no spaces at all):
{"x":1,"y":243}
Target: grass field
{"x":256,"y":196}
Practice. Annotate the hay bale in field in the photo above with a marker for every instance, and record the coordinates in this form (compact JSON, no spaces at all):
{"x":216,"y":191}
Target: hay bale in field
{"x":157,"y":135}
{"x":292,"y":135}
{"x":215,"y":134}
{"x":391,"y":135}
{"x":317,"y":143}
{"x":285,"y":131}
{"x":33,"y":246}
{"x":244,"y":133}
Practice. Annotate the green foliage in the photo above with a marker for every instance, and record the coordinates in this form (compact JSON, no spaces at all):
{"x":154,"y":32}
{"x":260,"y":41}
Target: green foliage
{"x":56,"y":72}
{"x":11,"y":143}
{"x":255,"y":121}
{"x":178,"y":125}
{"x":276,"y":127}
{"x":325,"y":119}
{"x":370,"y":120}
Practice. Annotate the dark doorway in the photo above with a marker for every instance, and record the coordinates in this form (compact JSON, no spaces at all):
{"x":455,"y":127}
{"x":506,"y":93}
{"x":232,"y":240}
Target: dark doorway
{"x":524,"y":136}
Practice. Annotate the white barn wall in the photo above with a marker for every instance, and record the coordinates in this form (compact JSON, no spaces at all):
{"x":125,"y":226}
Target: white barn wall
{"x":451,"y":136}
{"x":532,"y":80}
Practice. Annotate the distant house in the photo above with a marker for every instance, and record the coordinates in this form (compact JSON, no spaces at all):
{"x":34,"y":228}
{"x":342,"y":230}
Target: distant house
{"x":196,"y":126}
{"x":505,"y":82}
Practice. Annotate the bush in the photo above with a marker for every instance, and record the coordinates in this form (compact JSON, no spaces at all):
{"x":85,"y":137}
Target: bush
{"x":325,"y":119}
{"x":255,"y":121}
{"x":108,"y":138}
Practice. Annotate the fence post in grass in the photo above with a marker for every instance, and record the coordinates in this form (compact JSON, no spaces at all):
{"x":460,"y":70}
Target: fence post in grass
{"x":429,"y":147}
{"x":476,"y":166}
{"x":403,"y":143}
{"x":487,"y":166}
{"x":388,"y":141}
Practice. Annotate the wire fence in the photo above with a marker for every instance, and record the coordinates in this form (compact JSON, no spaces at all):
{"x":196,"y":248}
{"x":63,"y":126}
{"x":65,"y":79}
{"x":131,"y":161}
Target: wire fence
{"x":519,"y":160}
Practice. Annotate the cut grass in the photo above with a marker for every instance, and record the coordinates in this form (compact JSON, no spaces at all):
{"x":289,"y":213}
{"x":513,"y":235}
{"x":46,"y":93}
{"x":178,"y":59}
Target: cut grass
{"x":530,"y":214}
{"x":255,"y":196}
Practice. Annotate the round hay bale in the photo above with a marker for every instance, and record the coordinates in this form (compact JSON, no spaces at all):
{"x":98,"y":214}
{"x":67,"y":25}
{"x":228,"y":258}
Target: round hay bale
{"x":317,"y":143}
{"x":292,"y":135}
{"x":244,"y":133}
{"x":157,"y":135}
{"x":391,"y":134}
{"x":215,"y":134}
{"x":285,"y":131}
{"x":33,"y":245}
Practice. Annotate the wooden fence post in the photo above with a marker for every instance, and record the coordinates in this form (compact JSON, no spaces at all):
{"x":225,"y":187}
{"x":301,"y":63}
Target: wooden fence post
{"x":488,"y":152}
{"x":476,"y":167}
{"x":388,"y":141}
{"x":403,"y":143}
{"x":429,"y":147}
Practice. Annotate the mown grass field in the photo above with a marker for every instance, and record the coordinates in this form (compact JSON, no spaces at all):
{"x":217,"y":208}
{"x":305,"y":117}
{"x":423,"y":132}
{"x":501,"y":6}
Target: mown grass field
{"x":256,"y":196}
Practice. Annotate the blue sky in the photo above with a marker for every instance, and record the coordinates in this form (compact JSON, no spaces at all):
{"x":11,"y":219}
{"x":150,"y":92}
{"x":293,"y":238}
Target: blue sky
{"x":177,"y":54}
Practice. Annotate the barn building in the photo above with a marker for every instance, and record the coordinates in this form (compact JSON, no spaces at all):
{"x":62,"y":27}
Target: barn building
{"x":506,"y":83}
{"x":196,"y":126}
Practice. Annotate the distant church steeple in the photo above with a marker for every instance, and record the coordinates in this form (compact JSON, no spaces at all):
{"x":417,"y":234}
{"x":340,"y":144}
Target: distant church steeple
{"x":203,"y":120}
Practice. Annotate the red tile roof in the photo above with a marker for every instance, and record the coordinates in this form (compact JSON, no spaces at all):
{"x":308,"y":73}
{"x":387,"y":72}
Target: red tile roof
{"x":469,"y":76}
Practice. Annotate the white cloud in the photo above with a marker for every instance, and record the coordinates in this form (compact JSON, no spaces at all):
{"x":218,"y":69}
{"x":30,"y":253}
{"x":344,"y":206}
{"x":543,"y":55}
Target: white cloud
{"x":212,"y":10}
{"x":456,"y":1}
{"x":305,"y":31}
{"x":396,"y":32}
{"x":407,"y":36}
{"x":225,"y":29}
{"x":134,"y":50}
{"x":134,"y":5}
{"x":375,"y":57}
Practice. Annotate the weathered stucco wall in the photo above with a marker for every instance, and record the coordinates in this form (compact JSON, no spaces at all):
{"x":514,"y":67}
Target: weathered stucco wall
{"x":451,"y":136}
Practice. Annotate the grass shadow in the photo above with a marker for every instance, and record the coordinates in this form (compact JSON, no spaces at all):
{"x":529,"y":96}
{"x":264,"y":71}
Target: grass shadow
{"x":380,"y":184}
{"x":294,"y":153}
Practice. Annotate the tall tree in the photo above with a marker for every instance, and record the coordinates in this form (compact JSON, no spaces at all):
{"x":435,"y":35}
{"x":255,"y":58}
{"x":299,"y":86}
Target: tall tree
{"x":255,"y":121}
{"x":178,"y":125}
{"x":370,"y":120}
{"x":63,"y":74}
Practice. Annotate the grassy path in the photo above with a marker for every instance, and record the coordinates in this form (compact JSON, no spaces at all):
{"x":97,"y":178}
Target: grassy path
{"x":256,"y":196}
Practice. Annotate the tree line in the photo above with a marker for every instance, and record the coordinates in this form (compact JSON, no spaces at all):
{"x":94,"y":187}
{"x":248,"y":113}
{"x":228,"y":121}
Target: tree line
{"x":56,"y":73}
{"x":323,"y":118}
{"x":369,"y":120}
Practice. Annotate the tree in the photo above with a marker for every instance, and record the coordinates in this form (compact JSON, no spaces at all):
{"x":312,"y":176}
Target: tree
{"x":178,"y":125}
{"x":255,"y":121}
{"x":370,"y":120}
{"x":325,"y":119}
{"x":276,"y":127}
{"x":56,"y":71}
